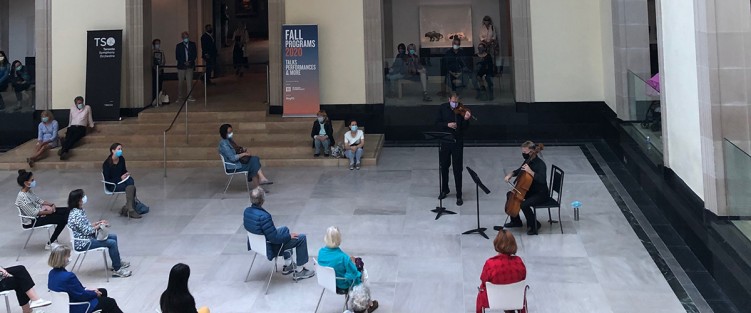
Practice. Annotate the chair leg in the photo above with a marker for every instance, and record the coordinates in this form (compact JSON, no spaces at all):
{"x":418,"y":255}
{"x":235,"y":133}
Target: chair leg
{"x":247,"y":186}
{"x":7,"y":304}
{"x":560,"y":222}
{"x":228,"y":182}
{"x":319,"y":300}
{"x":73,"y":269}
{"x":106,"y":268}
{"x":266,"y":291}
{"x":83,"y":259}
{"x":251,"y":267}
{"x":25,"y":244}
{"x":550,"y":217}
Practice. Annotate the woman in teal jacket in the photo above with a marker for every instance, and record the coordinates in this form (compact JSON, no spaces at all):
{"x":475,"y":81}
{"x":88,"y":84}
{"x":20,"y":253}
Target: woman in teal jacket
{"x":4,"y":77}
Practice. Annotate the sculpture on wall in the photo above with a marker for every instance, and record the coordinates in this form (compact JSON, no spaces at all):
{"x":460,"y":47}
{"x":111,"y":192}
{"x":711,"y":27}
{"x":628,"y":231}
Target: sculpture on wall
{"x":434,"y":36}
{"x":459,"y":35}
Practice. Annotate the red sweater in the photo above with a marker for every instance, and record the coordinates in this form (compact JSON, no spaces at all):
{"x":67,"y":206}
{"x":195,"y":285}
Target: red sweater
{"x":500,"y":270}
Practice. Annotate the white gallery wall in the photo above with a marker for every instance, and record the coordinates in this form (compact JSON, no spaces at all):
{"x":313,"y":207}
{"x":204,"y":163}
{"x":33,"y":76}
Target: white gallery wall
{"x":20,"y":30}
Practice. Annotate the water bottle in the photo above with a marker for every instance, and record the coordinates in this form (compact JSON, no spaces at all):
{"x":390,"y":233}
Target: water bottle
{"x":576,"y":205}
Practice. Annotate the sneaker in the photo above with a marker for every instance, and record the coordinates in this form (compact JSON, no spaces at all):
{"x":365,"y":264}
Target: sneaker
{"x":357,"y":166}
{"x":123,"y":264}
{"x":122,"y":273}
{"x":47,"y":246}
{"x":191,"y":99}
{"x":288,"y":269}
{"x":39,"y":303}
{"x":305,"y":273}
{"x":351,"y":167}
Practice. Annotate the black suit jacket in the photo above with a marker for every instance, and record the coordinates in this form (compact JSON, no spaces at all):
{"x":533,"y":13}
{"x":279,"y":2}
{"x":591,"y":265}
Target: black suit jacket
{"x":180,"y":55}
{"x":446,"y":115}
{"x":208,"y":46}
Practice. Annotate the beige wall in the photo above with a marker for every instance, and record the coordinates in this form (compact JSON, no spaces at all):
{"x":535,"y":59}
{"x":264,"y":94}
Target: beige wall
{"x":680,"y":88}
{"x":567,"y":50}
{"x":608,"y":54}
{"x":341,"y":50}
{"x":169,"y":18}
{"x":71,"y":19}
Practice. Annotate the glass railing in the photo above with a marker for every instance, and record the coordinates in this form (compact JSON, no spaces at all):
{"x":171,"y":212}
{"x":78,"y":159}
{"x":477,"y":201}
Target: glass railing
{"x":430,"y":80}
{"x":737,"y":179}
{"x":644,"y":120}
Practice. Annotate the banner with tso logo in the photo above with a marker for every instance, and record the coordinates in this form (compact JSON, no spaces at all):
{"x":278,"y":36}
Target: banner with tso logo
{"x":103,"y":67}
{"x":300,"y":70}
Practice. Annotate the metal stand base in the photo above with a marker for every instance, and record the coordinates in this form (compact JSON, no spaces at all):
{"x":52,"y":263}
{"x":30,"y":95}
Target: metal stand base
{"x":480,"y":231}
{"x":440,"y":211}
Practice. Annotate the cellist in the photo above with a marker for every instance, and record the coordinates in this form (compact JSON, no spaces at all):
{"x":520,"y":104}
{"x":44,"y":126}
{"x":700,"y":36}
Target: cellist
{"x":538,"y":191}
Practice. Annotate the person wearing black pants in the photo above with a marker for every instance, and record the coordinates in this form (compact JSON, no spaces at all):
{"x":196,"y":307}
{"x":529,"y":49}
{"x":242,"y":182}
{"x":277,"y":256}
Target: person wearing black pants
{"x":17,"y":278}
{"x":80,"y":118}
{"x":538,"y":192}
{"x":452,"y":154}
{"x":45,"y":213}
{"x":208,"y":51}
{"x":60,"y":280}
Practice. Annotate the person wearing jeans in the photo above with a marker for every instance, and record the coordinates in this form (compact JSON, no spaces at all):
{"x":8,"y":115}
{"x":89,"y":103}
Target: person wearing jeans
{"x":79,"y":118}
{"x":185,"y":54}
{"x":322,"y":133}
{"x":354,"y":141}
{"x":257,"y":220}
{"x":84,"y":233}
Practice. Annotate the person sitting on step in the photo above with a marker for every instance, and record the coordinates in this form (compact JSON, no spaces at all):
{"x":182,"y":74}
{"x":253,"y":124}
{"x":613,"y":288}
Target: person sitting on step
{"x":322,"y":133}
{"x":46,"y":137}
{"x":46,"y":213}
{"x":239,"y":159}
{"x":80,"y":118}
{"x":354,"y":141}
{"x":115,"y":172}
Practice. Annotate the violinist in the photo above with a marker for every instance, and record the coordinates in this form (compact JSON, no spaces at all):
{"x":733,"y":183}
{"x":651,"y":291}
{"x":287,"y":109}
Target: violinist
{"x":452,"y":118}
{"x":538,"y":191}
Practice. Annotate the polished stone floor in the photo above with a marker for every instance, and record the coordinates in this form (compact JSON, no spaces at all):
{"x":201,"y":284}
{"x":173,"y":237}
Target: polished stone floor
{"x":416,"y":263}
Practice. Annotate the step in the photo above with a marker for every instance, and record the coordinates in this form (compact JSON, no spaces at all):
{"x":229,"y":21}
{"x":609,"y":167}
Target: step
{"x":149,"y":116}
{"x":178,"y":139}
{"x":298,"y":126}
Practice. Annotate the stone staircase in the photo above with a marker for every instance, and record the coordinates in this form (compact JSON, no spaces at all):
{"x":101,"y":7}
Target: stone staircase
{"x":278,"y":141}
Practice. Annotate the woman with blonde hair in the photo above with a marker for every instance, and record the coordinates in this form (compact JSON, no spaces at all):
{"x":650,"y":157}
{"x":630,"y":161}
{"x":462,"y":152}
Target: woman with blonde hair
{"x":60,"y":280}
{"x":502,"y":269}
{"x":350,"y":268}
{"x":46,"y":137}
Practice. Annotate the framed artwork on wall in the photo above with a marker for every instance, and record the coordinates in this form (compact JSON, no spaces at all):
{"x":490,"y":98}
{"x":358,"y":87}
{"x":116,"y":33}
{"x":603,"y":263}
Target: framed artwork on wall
{"x":439,"y":24}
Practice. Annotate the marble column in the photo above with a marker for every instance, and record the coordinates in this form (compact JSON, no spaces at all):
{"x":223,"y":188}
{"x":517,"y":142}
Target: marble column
{"x":521,"y":36}
{"x":42,"y":45}
{"x":4,"y":11}
{"x":137,"y":54}
{"x":276,"y":19}
{"x":373,"y":23}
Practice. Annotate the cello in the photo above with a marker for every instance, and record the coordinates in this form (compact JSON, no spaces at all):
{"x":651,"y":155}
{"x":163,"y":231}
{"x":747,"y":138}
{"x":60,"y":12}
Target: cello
{"x":521,"y":185}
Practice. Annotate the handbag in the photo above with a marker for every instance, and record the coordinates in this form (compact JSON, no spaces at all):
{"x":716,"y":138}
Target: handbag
{"x":141,"y":208}
{"x":102,"y":232}
{"x":238,"y":150}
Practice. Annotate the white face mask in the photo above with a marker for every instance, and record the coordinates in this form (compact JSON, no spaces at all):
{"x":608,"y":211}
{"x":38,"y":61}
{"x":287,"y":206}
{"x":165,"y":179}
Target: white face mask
{"x":85,"y":199}
{"x":320,"y":119}
{"x":2,"y":58}
{"x":229,"y":136}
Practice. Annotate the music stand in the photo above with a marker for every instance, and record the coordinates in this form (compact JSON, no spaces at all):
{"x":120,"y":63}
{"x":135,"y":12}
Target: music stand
{"x":440,"y":138}
{"x":478,"y":185}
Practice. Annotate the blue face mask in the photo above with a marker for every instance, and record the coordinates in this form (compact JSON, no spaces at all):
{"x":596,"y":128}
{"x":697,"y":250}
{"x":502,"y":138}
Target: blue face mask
{"x":118,"y":153}
{"x":353,"y":128}
{"x":79,"y":106}
{"x":456,"y":47}
{"x":18,"y":68}
{"x":453,"y":104}
{"x":45,"y":119}
{"x":185,"y":40}
{"x":33,"y":184}
{"x":411,"y":51}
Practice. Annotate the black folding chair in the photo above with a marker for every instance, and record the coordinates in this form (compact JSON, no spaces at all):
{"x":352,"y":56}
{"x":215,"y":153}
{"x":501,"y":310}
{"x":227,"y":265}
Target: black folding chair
{"x":556,"y":189}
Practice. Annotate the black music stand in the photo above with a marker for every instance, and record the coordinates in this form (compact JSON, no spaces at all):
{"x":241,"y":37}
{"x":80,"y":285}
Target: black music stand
{"x":440,"y":138}
{"x":478,"y":185}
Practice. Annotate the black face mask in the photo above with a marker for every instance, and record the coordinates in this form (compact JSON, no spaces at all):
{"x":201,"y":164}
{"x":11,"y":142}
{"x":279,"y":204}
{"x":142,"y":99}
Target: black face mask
{"x":525,"y":156}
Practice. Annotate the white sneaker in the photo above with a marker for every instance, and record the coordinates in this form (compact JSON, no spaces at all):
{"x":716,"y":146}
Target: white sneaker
{"x":123,"y":264}
{"x":39,"y":303}
{"x":47,"y":246}
{"x":191,"y":99}
{"x":122,"y":273}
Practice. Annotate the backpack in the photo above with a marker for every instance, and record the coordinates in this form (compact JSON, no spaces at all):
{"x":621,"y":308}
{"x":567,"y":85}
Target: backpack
{"x":337,"y":151}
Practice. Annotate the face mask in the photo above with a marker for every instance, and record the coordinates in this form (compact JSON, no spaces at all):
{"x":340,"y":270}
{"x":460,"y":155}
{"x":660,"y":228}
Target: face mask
{"x":2,"y":58}
{"x":411,"y":51}
{"x":525,"y":156}
{"x":453,"y":104}
{"x":456,"y":47}
{"x":320,"y":119}
{"x":210,"y":31}
{"x":118,"y":153}
{"x":33,"y":184}
{"x":157,"y":46}
{"x":18,"y":68}
{"x":229,"y":136}
{"x":85,"y":199}
{"x":79,"y":106}
{"x":401,"y":51}
{"x":45,"y":119}
{"x":185,"y":40}
{"x":353,"y":128}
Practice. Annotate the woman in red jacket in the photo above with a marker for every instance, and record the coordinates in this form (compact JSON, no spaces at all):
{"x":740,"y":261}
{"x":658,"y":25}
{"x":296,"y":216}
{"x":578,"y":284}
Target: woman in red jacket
{"x":504,"y":268}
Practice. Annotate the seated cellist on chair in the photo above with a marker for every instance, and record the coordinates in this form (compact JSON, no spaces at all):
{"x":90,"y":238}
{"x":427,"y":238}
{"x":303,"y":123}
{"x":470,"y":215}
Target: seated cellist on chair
{"x":537,"y":193}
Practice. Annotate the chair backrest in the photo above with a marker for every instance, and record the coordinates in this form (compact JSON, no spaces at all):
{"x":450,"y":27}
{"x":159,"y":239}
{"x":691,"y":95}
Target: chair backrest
{"x":22,"y":216}
{"x":556,"y":183}
{"x":61,"y":302}
{"x":224,"y":165}
{"x":257,"y":243}
{"x":104,"y":186}
{"x":326,"y":276}
{"x":506,"y":297}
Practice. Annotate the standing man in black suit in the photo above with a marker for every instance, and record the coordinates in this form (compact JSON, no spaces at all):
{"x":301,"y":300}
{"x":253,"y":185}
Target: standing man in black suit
{"x":185,"y":54}
{"x":452,"y":154}
{"x":208,"y":50}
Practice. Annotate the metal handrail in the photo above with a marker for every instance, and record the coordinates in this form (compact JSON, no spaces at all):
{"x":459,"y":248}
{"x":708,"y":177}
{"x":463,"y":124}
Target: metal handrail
{"x":183,"y":105}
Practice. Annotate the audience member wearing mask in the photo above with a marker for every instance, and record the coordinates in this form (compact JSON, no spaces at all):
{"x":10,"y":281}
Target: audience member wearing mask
{"x":84,"y":233}
{"x":4,"y":77}
{"x":114,"y":171}
{"x":455,"y":65}
{"x":398,"y":69}
{"x":484,"y":69}
{"x":322,"y":133}
{"x":60,"y":280}
{"x":21,"y":81}
{"x":80,"y":118}
{"x":46,"y":137}
{"x":239,"y":159}
{"x":354,"y":141}
{"x":415,"y":70}
{"x":44,"y":212}
{"x":208,"y":52}
{"x":177,"y":298}
{"x":185,"y":54}
{"x":18,"y":279}
{"x":157,"y":60}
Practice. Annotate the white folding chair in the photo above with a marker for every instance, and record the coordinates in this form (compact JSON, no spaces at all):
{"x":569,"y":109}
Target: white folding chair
{"x":7,"y":304}
{"x":116,"y":194}
{"x":232,"y":173}
{"x":507,"y":297}
{"x":78,"y":254}
{"x":61,"y":298}
{"x":327,"y":279}
{"x":258,"y":245}
{"x":31,"y":229}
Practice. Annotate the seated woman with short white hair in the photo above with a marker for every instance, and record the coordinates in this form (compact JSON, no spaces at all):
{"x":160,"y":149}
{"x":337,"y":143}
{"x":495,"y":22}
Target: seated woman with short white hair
{"x":345,"y":266}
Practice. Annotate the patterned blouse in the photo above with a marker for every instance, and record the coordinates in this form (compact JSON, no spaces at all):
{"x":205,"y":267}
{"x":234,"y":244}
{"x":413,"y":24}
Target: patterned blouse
{"x":81,"y":226}
{"x":30,"y":204}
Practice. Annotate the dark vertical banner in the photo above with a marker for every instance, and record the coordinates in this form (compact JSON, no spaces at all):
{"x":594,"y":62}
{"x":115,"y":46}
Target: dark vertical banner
{"x":300,"y":70}
{"x":103,"y":67}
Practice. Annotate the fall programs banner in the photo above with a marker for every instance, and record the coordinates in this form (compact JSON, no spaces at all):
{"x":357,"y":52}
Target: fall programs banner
{"x":300,"y":70}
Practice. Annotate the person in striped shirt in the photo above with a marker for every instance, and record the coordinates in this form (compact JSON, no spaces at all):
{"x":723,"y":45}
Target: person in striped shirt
{"x":42,"y":212}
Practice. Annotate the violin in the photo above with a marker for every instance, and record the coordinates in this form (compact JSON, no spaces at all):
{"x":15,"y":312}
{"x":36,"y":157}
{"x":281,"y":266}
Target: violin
{"x":521,"y":185}
{"x":462,"y":109}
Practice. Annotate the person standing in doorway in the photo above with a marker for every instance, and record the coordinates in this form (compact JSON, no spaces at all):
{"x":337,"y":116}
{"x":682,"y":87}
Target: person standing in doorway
{"x":208,"y":53}
{"x":185,"y":54}
{"x":239,"y":50}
